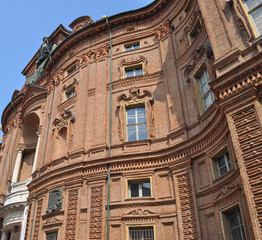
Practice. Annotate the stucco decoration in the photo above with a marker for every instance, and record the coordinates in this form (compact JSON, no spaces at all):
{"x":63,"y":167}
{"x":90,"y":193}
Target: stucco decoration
{"x":198,"y":55}
{"x":241,"y":21}
{"x":45,"y":51}
{"x":163,"y":29}
{"x":55,"y":201}
{"x":80,"y":23}
{"x":130,"y":62}
{"x":136,"y":96}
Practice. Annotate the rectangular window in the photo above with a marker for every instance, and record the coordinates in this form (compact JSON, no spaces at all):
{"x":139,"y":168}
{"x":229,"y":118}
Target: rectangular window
{"x":139,"y":188}
{"x":141,"y":233}
{"x":195,"y":31}
{"x":134,"y":71}
{"x":233,"y":225}
{"x":136,"y":124}
{"x":254,"y":9}
{"x":132,"y":46}
{"x":223,"y":164}
{"x":51,"y":236}
{"x":70,"y":93}
{"x":206,"y":93}
{"x":71,"y":69}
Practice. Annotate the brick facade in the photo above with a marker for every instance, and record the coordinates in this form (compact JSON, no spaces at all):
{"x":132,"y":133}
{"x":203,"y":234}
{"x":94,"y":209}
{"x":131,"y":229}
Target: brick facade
{"x":192,"y":104}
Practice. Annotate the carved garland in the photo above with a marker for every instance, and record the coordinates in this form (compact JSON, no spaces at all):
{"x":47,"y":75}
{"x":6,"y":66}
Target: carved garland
{"x":163,"y":30}
{"x":136,"y":97}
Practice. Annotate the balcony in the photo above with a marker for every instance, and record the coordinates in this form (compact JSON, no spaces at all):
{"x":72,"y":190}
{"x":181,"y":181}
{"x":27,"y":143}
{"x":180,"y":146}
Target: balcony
{"x":18,"y":193}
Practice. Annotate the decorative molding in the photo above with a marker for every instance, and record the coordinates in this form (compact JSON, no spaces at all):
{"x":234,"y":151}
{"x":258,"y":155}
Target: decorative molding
{"x":70,"y":230}
{"x":37,"y":219}
{"x":136,"y":96}
{"x":140,"y":212}
{"x":154,"y":77}
{"x":80,"y":23}
{"x":185,"y":195}
{"x":163,"y":30}
{"x":236,"y":86}
{"x":130,"y":62}
{"x":96,"y":211}
{"x":225,"y":190}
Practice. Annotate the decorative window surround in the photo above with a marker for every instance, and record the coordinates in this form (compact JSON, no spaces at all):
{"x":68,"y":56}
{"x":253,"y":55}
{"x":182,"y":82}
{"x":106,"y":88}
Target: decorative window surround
{"x":135,"y":98}
{"x":129,"y":64}
{"x":232,"y":224}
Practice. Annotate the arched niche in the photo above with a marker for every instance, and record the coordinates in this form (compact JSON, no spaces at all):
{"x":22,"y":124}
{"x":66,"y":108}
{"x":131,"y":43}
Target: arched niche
{"x":30,"y":128}
{"x":59,"y":149}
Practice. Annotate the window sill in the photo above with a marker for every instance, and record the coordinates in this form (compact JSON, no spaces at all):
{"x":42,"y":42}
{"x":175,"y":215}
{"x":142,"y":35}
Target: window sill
{"x":225,"y":175}
{"x":66,"y":103}
{"x":139,"y":199}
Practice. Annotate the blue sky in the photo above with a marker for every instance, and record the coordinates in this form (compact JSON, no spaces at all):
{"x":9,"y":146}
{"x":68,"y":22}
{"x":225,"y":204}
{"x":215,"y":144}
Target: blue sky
{"x":23,"y":25}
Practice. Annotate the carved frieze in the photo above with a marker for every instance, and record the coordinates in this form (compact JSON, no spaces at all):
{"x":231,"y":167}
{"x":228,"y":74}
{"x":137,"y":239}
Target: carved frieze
{"x":71,"y":217}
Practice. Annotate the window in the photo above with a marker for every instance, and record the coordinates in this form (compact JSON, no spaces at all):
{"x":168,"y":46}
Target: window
{"x":71,"y":69}
{"x":51,"y":236}
{"x":233,"y":226}
{"x":141,"y":233}
{"x":139,"y":188}
{"x":206,"y":93}
{"x":70,"y":93}
{"x":136,"y":124}
{"x":133,"y":71}
{"x":132,"y":46}
{"x":223,"y":164}
{"x":195,"y":31}
{"x":254,"y":9}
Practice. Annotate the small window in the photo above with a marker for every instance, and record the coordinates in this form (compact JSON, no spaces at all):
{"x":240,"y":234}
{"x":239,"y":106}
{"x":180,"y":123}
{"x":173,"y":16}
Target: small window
{"x":221,"y":163}
{"x":133,"y":71}
{"x":51,"y":236}
{"x":188,"y":6}
{"x":132,"y":46}
{"x":70,"y":93}
{"x":233,"y":225}
{"x":136,"y":124}
{"x":139,"y":188}
{"x":71,"y":69}
{"x":195,"y":31}
{"x":206,"y":93}
{"x":254,"y":10}
{"x":141,"y":233}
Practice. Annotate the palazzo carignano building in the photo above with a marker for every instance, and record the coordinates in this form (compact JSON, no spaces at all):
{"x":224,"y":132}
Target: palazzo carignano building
{"x":145,"y":125}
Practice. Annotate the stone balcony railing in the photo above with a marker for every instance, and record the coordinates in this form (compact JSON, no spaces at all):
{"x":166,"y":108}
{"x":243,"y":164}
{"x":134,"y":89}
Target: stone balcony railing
{"x":18,"y":193}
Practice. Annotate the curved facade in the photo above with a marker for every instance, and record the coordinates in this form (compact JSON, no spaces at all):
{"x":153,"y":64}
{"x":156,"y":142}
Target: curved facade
{"x":143,"y":125}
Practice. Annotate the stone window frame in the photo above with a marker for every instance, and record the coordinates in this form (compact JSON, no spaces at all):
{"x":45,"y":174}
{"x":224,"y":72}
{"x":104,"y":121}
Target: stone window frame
{"x":136,"y":125}
{"x":213,"y":160}
{"x":250,"y":19}
{"x":131,"y":44}
{"x":224,"y":221}
{"x":140,"y":226}
{"x":197,"y":25}
{"x":53,"y":231}
{"x":195,"y":74}
{"x":138,"y":180}
{"x":68,"y":88}
{"x":136,"y":97}
{"x":71,"y":68}
{"x":131,"y":63}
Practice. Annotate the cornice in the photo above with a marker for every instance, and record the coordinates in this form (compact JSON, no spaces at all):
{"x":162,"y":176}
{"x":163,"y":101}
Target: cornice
{"x":158,"y":159}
